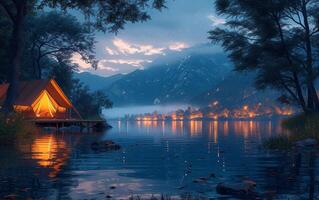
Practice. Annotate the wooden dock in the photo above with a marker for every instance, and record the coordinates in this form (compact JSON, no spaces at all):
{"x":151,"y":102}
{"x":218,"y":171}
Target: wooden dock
{"x":60,"y":123}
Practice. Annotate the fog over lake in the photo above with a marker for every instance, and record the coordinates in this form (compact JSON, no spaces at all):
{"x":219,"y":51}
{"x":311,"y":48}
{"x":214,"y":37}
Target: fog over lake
{"x":118,"y":112}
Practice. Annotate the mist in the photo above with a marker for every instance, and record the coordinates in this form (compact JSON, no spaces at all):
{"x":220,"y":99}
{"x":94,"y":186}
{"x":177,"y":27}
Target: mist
{"x":119,"y":112}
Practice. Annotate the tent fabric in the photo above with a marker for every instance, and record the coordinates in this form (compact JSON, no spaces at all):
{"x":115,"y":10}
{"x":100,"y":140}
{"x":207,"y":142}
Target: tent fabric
{"x":43,"y":96}
{"x":45,"y":105}
{"x":28,"y":91}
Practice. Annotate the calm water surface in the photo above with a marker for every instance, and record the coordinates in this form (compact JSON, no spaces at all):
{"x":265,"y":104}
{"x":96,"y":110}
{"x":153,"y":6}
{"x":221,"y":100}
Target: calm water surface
{"x":156,"y":158}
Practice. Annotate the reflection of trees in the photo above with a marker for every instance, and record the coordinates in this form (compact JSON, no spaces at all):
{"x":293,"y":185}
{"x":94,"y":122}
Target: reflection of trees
{"x":312,"y":161}
{"x":287,"y":173}
{"x":21,"y":176}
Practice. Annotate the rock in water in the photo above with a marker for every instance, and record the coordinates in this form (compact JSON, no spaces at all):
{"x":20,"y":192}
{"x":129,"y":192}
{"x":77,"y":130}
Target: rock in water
{"x":250,"y":183}
{"x":101,"y":126}
{"x":107,"y":145}
{"x":201,"y":180}
{"x":238,"y":190}
{"x":306,"y":143}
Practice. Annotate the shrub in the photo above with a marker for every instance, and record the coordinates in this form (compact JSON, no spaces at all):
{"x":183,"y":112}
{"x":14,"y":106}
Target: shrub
{"x":303,"y":124}
{"x":14,"y":127}
{"x":300,"y":127}
{"x":90,"y":104}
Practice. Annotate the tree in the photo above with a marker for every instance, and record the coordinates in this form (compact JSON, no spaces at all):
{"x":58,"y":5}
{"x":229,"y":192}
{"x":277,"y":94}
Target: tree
{"x":276,"y":38}
{"x":62,"y":71}
{"x":54,"y":34}
{"x":89,"y":104}
{"x":4,"y":38}
{"x":105,"y":15}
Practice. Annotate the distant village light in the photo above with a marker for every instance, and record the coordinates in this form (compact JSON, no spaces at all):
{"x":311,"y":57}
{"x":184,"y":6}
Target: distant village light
{"x":213,"y":113}
{"x":245,"y":107}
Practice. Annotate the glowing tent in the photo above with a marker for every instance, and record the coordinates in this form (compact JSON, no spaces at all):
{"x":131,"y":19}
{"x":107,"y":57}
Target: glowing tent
{"x":41,"y":99}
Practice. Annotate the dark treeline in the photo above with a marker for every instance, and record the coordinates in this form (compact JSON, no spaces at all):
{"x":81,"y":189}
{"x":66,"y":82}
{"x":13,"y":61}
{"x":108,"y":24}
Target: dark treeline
{"x":52,"y":39}
{"x":279,"y":40}
{"x":39,"y":44}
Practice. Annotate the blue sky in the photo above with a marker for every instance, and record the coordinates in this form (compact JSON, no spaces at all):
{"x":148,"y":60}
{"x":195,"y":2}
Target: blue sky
{"x":183,"y":24}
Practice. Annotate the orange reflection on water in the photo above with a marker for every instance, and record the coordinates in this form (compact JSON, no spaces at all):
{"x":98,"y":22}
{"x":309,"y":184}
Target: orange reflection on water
{"x":147,"y":123}
{"x":248,"y":128}
{"x":177,"y":127}
{"x":139,"y":123}
{"x":195,"y":127}
{"x":180,"y":127}
{"x":163,"y":127}
{"x":155,"y":123}
{"x":244,"y":128}
{"x":226,"y":127}
{"x":50,"y":152}
{"x":215,"y":131}
{"x":174,"y":126}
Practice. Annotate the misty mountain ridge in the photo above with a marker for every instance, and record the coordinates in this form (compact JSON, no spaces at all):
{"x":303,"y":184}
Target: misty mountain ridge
{"x":96,"y":82}
{"x":197,"y":76}
{"x":174,"y":82}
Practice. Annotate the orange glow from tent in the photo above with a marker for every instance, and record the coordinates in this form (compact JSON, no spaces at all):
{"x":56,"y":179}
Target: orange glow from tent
{"x":43,"y":149}
{"x":45,"y":105}
{"x":21,"y":108}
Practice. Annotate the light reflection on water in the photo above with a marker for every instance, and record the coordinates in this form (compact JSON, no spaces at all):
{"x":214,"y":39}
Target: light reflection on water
{"x":157,"y":157}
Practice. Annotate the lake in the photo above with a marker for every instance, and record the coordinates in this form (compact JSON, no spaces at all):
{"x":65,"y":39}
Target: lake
{"x":156,"y":158}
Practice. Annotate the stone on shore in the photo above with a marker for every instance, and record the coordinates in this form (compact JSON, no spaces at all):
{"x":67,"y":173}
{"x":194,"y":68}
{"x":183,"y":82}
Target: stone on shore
{"x":107,"y":145}
{"x":238,"y":190}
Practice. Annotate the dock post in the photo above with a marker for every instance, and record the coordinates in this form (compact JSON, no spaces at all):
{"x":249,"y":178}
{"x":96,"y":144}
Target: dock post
{"x":81,"y":127}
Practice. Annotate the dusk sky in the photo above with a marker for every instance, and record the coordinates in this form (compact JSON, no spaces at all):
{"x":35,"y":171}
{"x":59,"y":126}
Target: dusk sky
{"x":183,"y":24}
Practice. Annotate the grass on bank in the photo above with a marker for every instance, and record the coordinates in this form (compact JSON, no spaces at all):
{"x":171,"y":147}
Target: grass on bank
{"x":14,"y":127}
{"x":300,"y":127}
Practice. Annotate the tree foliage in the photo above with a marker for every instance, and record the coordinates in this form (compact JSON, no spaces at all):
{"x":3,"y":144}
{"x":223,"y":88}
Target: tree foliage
{"x":56,"y":35}
{"x":276,"y":38}
{"x":89,"y":104}
{"x":105,"y":15}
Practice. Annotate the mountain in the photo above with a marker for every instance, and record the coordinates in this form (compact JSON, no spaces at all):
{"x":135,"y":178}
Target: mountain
{"x":95,"y":82}
{"x":199,"y":76}
{"x":235,"y":90}
{"x":174,"y":79}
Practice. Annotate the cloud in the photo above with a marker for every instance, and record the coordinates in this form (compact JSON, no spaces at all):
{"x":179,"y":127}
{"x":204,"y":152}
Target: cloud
{"x":149,"y":50}
{"x":216,"y":21}
{"x":111,"y":51}
{"x":111,"y":69}
{"x":132,"y":62}
{"x":127,"y":48}
{"x":77,"y":59}
{"x":178,"y":46}
{"x":103,"y":64}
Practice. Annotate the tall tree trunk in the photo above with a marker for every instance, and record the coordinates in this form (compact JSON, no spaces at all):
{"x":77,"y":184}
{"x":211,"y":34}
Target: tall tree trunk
{"x":310,"y":101}
{"x":299,"y":92}
{"x":15,"y":51}
{"x":300,"y":97}
{"x":316,"y":99}
{"x":39,"y":67}
{"x":313,"y":100}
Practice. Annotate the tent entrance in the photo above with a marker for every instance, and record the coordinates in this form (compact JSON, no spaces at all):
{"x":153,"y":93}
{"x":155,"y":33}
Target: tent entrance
{"x":45,"y":106}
